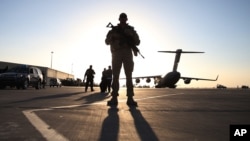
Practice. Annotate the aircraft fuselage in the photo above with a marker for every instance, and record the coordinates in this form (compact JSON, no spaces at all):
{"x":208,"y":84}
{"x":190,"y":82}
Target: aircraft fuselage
{"x":169,"y":80}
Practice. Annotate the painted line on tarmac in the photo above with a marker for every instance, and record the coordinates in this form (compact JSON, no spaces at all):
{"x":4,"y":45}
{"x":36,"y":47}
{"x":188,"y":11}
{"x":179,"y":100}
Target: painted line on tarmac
{"x":51,"y":134}
{"x":151,"y":97}
{"x":48,"y":133}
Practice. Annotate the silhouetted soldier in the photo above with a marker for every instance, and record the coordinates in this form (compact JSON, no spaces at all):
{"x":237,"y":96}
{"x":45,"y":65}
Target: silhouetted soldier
{"x":109,"y":78}
{"x":103,"y":84}
{"x":44,"y":80}
{"x":122,"y":38}
{"x":90,"y":78}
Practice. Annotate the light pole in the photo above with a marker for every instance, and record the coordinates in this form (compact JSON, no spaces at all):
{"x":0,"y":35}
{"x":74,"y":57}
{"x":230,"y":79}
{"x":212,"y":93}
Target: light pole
{"x":51,"y":59}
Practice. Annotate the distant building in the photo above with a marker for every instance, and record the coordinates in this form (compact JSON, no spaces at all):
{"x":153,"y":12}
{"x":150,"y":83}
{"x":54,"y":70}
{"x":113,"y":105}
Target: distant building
{"x":48,"y":72}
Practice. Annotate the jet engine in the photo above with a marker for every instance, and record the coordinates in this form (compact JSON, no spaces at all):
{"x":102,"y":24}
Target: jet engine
{"x":187,"y":81}
{"x":148,"y":80}
{"x":137,"y":80}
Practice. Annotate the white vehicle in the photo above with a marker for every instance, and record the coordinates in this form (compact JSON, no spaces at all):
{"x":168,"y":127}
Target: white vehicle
{"x":55,"y":82}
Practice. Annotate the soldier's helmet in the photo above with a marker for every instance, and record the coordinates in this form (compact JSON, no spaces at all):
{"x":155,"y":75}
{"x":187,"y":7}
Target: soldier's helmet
{"x":123,"y":16}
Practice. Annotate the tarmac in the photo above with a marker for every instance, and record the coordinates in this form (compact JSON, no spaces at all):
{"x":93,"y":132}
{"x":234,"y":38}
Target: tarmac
{"x":70,"y":114}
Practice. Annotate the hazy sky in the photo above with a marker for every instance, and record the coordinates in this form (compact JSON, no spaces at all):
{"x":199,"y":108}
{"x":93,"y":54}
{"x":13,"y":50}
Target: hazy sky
{"x":75,"y":31}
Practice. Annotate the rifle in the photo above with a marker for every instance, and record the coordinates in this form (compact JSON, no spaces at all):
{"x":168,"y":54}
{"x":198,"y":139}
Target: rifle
{"x":134,"y":48}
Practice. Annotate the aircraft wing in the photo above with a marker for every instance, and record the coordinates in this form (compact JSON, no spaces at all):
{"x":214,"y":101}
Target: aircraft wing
{"x":190,"y":78}
{"x":152,"y":76}
{"x":141,"y":77}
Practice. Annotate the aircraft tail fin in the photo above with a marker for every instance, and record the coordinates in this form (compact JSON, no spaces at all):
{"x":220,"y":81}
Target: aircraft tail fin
{"x":178,"y":53}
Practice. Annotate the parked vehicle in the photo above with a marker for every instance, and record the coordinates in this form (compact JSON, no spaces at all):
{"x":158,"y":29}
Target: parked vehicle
{"x":219,"y":86}
{"x":244,"y":87}
{"x":22,"y":76}
{"x":55,"y":82}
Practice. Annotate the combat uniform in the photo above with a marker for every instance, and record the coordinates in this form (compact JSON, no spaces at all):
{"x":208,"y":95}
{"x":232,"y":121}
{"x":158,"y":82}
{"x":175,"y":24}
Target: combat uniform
{"x":121,"y":40}
{"x":90,"y":78}
{"x":109,"y":74}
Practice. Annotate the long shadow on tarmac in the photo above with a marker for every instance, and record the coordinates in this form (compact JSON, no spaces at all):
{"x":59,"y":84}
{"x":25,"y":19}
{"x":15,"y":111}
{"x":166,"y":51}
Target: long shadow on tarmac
{"x":90,"y":98}
{"x":48,"y":97}
{"x":94,"y":97}
{"x":143,"y":128}
{"x":110,"y":126}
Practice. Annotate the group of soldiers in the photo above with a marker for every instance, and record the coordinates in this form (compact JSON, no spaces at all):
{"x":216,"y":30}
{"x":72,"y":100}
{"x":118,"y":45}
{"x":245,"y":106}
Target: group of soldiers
{"x":123,"y":40}
{"x":105,"y":84}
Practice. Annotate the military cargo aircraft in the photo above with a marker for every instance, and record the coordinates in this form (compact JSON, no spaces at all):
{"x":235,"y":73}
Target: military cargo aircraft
{"x":171,"y":78}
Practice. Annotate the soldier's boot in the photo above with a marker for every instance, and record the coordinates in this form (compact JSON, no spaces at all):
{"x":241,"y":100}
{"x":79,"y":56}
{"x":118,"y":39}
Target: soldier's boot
{"x":131,"y":102}
{"x":113,"y":101}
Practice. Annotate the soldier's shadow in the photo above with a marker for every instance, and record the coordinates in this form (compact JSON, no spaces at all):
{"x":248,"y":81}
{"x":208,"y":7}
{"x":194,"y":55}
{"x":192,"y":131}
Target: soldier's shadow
{"x":93,"y":97}
{"x":143,"y":128}
{"x":110,"y":126}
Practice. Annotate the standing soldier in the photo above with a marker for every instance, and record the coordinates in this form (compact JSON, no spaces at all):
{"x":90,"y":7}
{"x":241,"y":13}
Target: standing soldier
{"x":109,"y":78}
{"x":90,"y":78}
{"x":122,"y":40}
{"x":103,"y":84}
